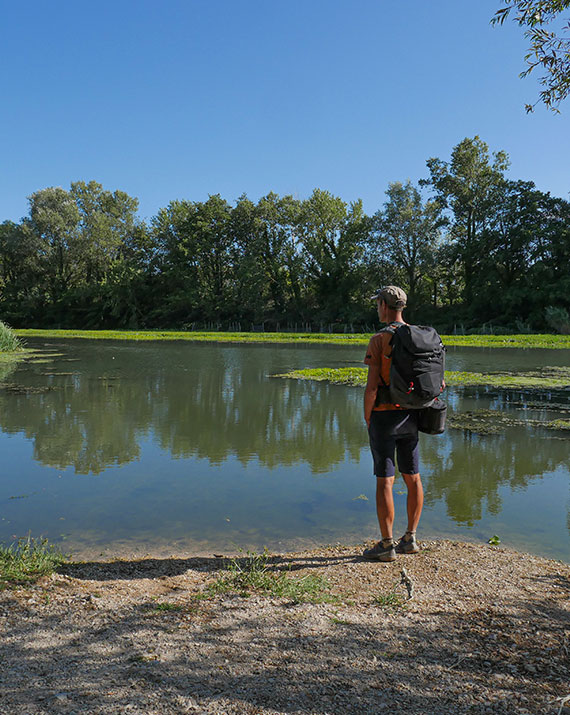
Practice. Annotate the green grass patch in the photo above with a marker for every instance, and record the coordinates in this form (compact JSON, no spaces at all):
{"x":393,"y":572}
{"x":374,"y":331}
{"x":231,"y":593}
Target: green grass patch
{"x":253,"y":574}
{"x":390,"y":601}
{"x":26,"y":560}
{"x":486,"y":341}
{"x":546,"y":378}
{"x":168,"y":607}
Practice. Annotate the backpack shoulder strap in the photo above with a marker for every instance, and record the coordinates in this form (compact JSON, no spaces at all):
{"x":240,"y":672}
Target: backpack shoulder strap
{"x":391,"y":327}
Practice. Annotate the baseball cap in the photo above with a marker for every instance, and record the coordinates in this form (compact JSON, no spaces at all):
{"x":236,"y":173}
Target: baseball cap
{"x":393,"y":296}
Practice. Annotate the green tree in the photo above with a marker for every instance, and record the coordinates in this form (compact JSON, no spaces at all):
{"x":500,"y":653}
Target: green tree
{"x":333,"y":236}
{"x":470,"y":188}
{"x":408,"y":234}
{"x":107,"y":220}
{"x":19,"y":271}
{"x":54,"y":220}
{"x":195,"y":259}
{"x":549,"y":50}
{"x":176,"y":263}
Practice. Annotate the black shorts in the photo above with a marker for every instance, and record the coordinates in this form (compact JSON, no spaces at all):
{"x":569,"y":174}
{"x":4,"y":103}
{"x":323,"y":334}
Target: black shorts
{"x":394,"y":431}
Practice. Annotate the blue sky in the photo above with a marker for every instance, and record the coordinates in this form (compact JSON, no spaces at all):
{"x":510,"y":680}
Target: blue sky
{"x":186,"y":98}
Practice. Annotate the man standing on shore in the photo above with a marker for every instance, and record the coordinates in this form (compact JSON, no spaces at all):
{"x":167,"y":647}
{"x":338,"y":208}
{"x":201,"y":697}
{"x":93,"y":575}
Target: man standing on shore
{"x":392,"y":430}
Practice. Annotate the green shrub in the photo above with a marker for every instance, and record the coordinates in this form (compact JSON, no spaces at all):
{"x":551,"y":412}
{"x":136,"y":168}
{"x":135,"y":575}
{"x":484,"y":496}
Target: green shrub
{"x":9,"y":343}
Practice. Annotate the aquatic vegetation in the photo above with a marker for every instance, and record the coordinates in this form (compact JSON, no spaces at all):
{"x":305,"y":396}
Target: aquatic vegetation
{"x":488,"y":341}
{"x":546,"y":378}
{"x":486,"y":422}
{"x":483,"y":422}
{"x":561,"y":425}
{"x":353,"y":376}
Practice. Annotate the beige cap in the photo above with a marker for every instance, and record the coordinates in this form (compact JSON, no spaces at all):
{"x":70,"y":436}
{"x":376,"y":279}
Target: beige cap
{"x":393,"y":296}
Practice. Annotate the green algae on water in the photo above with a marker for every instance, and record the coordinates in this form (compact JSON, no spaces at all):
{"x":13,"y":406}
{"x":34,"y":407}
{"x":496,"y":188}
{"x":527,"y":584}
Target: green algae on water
{"x":548,"y":378}
{"x":485,"y":422}
{"x":560,"y":425}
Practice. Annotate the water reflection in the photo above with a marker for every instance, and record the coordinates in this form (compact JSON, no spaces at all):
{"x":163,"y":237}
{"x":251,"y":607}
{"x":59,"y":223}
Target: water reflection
{"x":206,"y":408}
{"x":467,"y":471}
{"x":201,"y":403}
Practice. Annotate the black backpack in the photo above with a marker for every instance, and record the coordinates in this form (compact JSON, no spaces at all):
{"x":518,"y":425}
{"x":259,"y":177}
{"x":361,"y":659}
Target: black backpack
{"x":418,"y":364}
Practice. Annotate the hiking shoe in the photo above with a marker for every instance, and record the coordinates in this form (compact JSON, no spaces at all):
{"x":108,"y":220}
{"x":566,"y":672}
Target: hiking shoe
{"x":379,"y":552}
{"x":407,"y":547}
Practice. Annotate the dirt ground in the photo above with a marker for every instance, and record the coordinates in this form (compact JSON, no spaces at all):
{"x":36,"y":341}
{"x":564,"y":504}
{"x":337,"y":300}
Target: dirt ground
{"x":487,"y":631}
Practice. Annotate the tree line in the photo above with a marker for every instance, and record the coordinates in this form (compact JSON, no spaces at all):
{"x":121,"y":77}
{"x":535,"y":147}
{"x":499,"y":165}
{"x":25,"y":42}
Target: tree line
{"x":470,"y":247}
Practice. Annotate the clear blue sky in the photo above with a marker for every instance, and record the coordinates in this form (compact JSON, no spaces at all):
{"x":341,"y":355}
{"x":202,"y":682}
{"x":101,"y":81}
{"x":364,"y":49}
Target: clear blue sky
{"x":185,"y":98}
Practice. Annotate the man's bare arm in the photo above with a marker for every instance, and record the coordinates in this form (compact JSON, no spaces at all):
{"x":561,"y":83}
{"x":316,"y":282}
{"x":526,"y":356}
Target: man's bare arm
{"x":371,"y":390}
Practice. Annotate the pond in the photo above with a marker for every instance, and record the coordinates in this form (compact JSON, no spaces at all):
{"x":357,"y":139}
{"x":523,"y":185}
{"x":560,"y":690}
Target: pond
{"x":114,"y":448}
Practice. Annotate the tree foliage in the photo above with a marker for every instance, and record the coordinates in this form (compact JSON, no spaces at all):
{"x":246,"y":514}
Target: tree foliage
{"x":478,"y":249}
{"x":549,"y":49}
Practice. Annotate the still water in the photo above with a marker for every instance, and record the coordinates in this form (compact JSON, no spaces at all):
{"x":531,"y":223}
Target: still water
{"x":114,"y":448}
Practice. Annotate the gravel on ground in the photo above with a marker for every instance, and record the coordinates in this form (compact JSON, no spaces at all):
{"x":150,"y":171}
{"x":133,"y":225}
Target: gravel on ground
{"x":486,"y":631}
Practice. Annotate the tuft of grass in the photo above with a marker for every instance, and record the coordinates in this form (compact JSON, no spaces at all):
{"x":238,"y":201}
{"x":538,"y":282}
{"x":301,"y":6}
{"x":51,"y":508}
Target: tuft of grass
{"x":251,"y":574}
{"x":390,"y":601}
{"x":26,"y":560}
{"x":487,"y":341}
{"x":9,"y":343}
{"x":167,"y":607}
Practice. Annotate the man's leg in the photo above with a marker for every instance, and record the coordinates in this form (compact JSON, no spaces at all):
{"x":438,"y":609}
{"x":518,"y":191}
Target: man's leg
{"x":415,"y":500}
{"x":385,"y":505}
{"x":384,"y":550}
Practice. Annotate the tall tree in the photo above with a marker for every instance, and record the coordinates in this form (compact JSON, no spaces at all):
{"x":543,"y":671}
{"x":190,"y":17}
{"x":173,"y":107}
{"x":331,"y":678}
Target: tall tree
{"x":470,"y":188}
{"x":54,"y":220}
{"x":333,"y":236}
{"x":408,"y":234}
{"x":267,"y":256}
{"x":107,"y":221}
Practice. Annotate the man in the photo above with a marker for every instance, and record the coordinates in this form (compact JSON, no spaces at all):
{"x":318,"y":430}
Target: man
{"x":391,"y":430}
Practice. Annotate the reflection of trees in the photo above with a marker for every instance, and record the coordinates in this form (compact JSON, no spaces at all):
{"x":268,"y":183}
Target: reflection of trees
{"x":209,"y":403}
{"x":468,"y":470}
{"x":214,"y":403}
{"x":88,"y":422}
{"x":90,"y":427}
{"x":238,"y":411}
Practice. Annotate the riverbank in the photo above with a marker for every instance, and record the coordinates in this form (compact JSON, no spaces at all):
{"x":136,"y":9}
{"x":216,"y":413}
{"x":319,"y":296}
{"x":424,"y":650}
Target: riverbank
{"x":487,"y":631}
{"x":489,"y":341}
